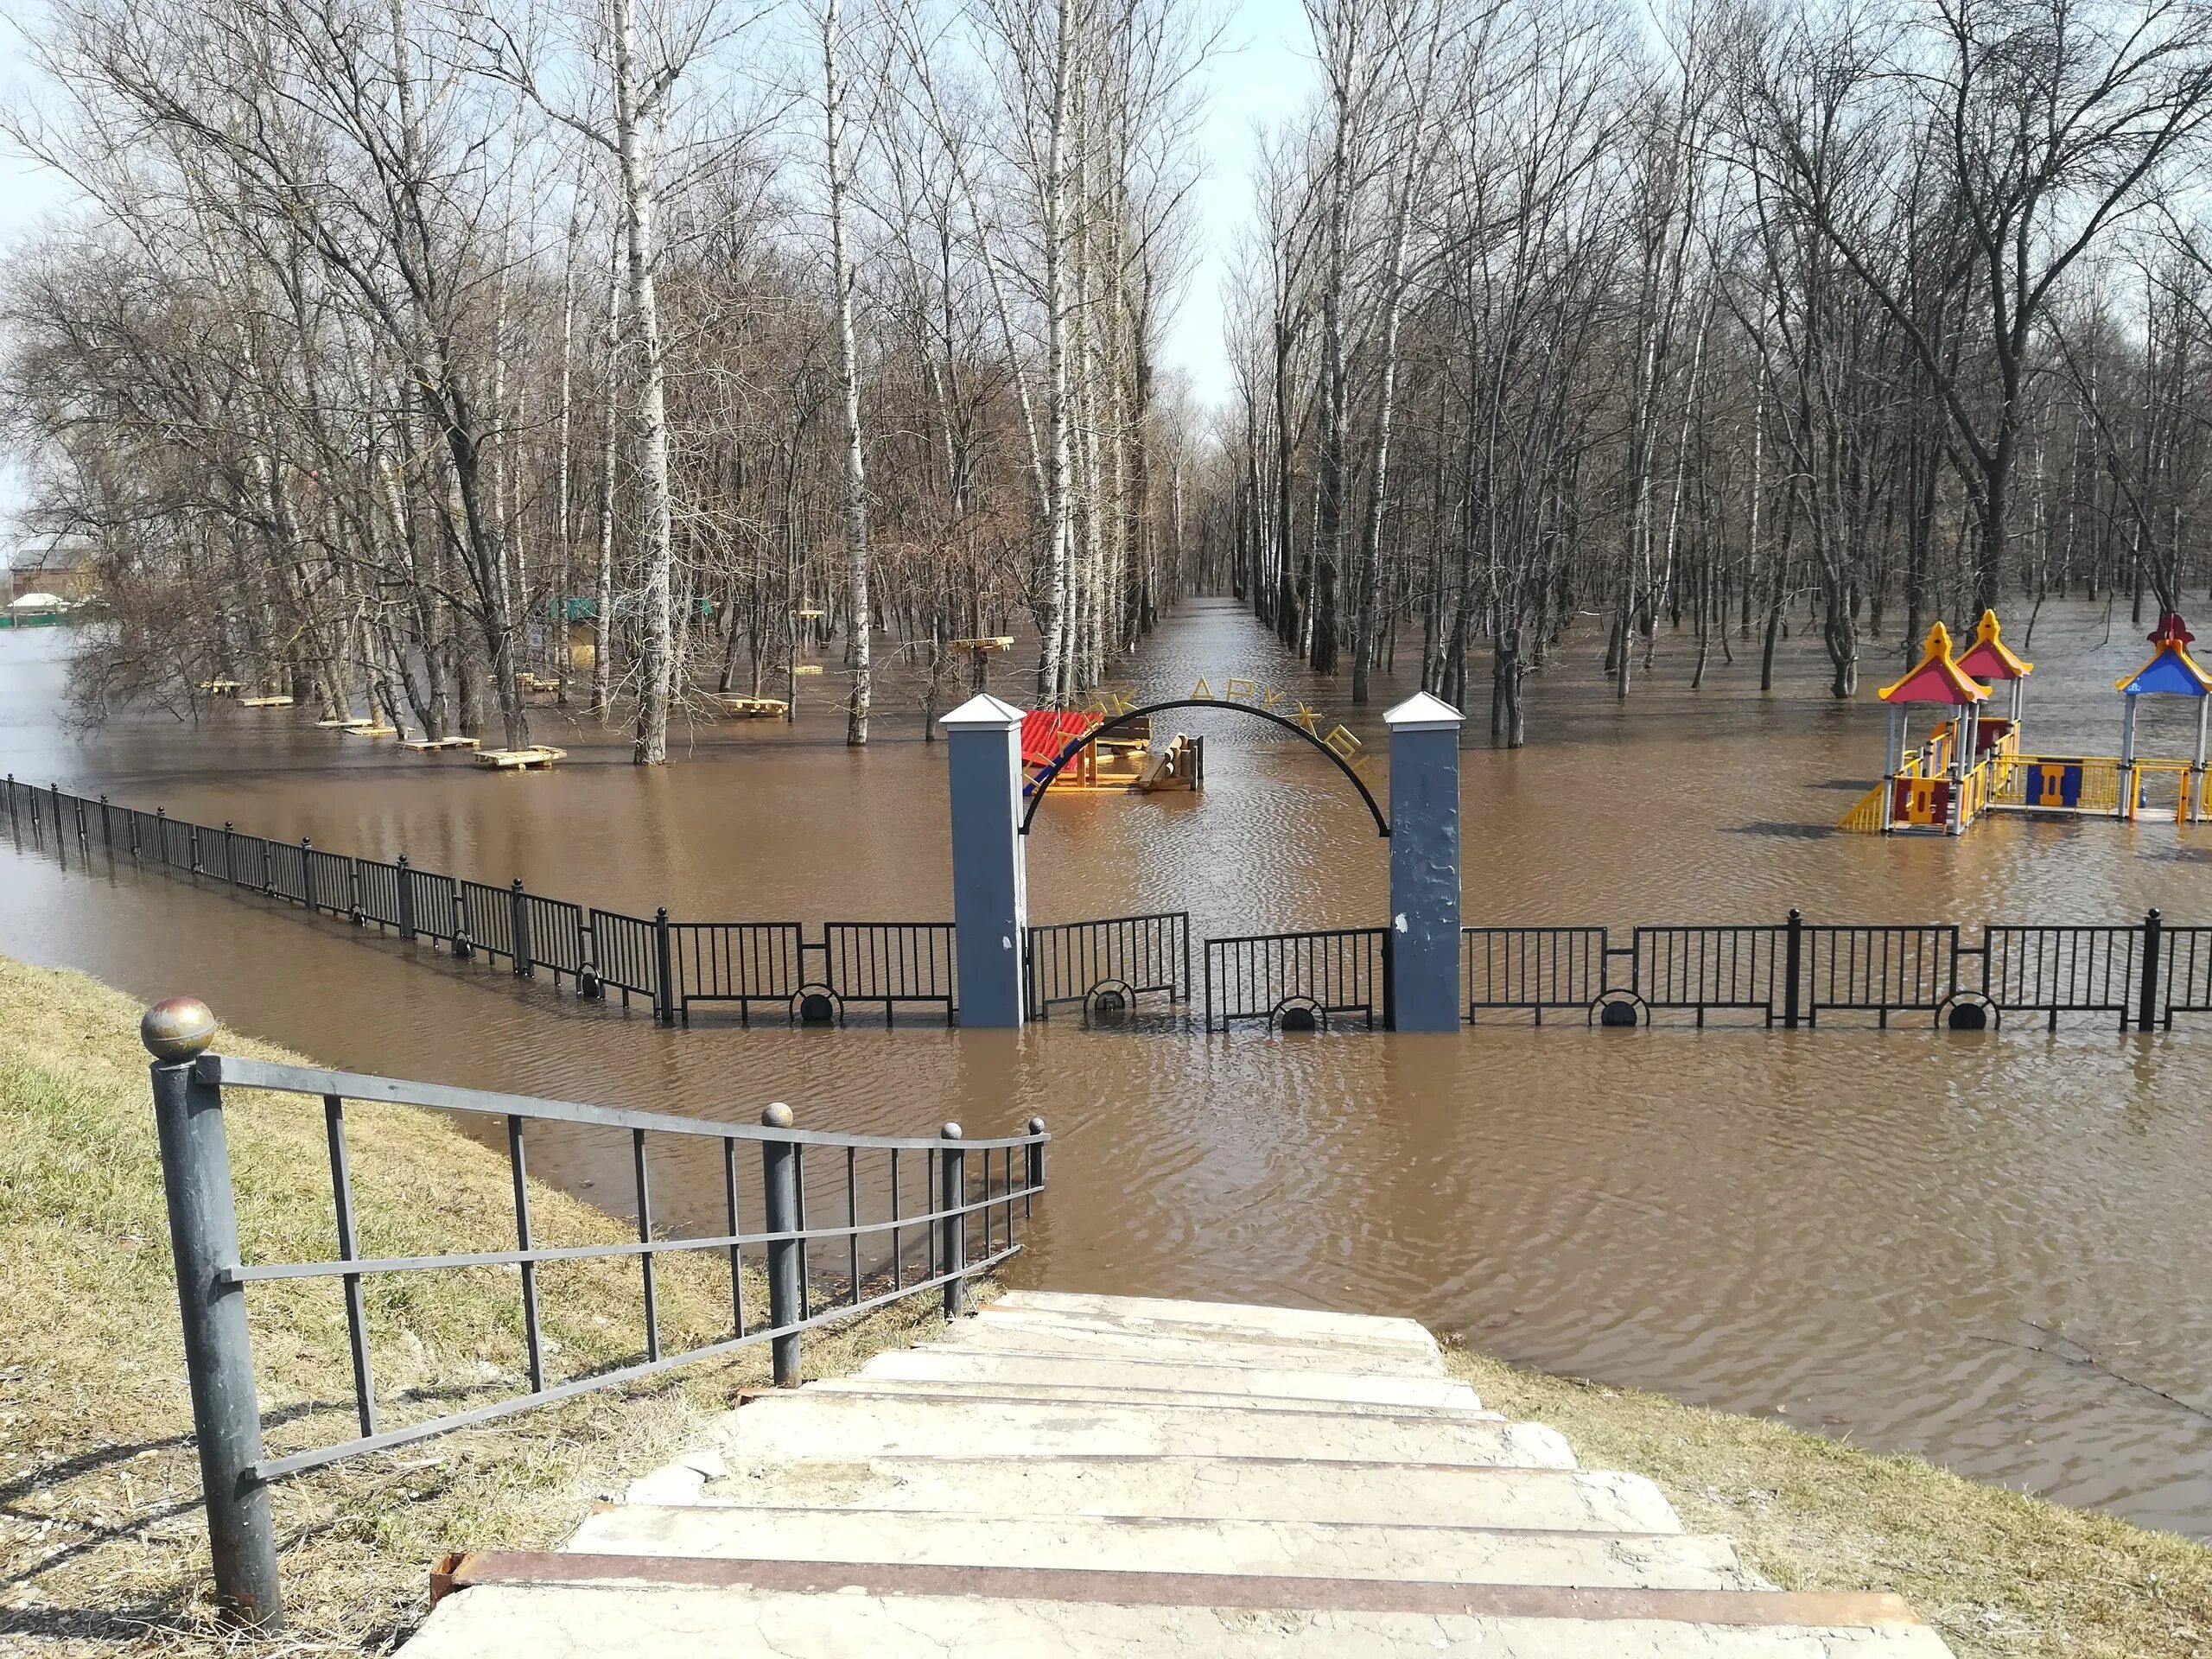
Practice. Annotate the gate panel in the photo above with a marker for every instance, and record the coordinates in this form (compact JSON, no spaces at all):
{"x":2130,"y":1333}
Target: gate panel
{"x":1343,"y":970}
{"x":1067,"y":960}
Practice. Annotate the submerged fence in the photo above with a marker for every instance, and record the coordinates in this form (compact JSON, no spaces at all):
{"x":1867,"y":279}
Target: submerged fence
{"x":1788,"y":974}
{"x":948,"y":1214}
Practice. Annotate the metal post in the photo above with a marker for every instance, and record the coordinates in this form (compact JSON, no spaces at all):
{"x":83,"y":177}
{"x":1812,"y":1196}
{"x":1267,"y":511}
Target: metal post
{"x":953,"y":1193}
{"x":2146,"y":1000}
{"x":162,"y":834}
{"x":518,"y":925}
{"x":463,"y":947}
{"x":107,"y":824}
{"x":779,"y":1181}
{"x":665,"y":1003}
{"x":990,"y":880}
{"x":218,"y":1354}
{"x":645,"y":1237}
{"x":1421,"y":989}
{"x":1793,"y":962}
{"x":1035,"y":1171}
{"x":517,"y":1163}
{"x":406,"y":907}
{"x":12,"y":829}
{"x":357,"y":1323}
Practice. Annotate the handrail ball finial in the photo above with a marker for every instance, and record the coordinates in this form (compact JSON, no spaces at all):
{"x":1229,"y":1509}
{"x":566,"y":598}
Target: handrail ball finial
{"x":1036,"y":1126}
{"x":776,"y":1116}
{"x":177,"y":1029}
{"x":950,"y":1132}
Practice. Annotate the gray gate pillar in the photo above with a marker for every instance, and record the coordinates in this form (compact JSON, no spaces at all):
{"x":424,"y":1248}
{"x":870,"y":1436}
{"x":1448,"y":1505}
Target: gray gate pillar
{"x":1424,"y":864}
{"x":990,"y":880}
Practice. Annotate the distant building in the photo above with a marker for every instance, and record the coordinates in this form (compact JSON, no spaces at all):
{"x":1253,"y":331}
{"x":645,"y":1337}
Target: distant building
{"x":64,"y":572}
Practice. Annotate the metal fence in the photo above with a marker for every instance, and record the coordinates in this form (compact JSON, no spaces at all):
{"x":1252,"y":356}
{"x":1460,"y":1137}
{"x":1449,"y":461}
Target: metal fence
{"x":879,"y":1247}
{"x":1297,"y":980}
{"x":1791,"y":973}
{"x":1123,"y":957}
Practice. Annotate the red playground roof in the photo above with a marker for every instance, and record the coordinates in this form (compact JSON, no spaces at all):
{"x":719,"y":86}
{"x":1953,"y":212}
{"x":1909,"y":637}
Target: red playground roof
{"x":1046,"y":732}
{"x":1989,"y":657}
{"x":1937,"y":678}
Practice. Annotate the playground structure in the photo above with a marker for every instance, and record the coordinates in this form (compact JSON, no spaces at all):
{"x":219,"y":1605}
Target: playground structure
{"x":1971,"y":763}
{"x":1123,"y":759}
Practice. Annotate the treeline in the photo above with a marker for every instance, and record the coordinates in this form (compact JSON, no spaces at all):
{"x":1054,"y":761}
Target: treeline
{"x":391,"y":344}
{"x":1876,"y":313}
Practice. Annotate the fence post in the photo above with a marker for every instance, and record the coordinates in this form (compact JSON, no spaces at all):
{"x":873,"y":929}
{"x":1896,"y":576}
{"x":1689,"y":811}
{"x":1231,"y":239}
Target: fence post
{"x":353,"y":891}
{"x":519,"y":927}
{"x":589,"y":985}
{"x":1421,"y":989}
{"x":12,"y":829}
{"x":2146,"y":1001}
{"x":192,"y":846}
{"x":162,"y":834}
{"x":131,"y":825}
{"x":306,"y":874}
{"x":107,"y":828}
{"x":952,"y":1194}
{"x":1793,"y":958}
{"x":462,"y":947}
{"x":218,"y":1354}
{"x":990,"y":882}
{"x":664,"y":1000}
{"x":406,"y":907}
{"x":779,"y":1181}
{"x":1033,"y":1174}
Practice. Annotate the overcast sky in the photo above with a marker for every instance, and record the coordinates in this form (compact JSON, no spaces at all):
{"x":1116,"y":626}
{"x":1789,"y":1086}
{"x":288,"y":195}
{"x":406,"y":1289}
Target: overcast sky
{"x":1263,"y":71}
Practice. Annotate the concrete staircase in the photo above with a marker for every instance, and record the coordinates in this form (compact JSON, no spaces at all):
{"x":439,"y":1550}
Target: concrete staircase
{"x":1112,"y":1476}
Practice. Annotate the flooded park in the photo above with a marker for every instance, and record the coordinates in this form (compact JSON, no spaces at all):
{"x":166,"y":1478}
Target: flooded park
{"x":1986,"y":1248}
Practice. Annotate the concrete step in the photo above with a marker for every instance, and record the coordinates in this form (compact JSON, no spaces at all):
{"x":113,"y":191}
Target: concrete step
{"x":936,"y":1363}
{"x":767,"y":1621}
{"x":1006,"y":1336}
{"x":1130,"y":1544}
{"x":1202,"y":1489}
{"x":815,"y":1423}
{"x":1069,"y":1394}
{"x":1294,"y":1325}
{"x":1232,"y":1338}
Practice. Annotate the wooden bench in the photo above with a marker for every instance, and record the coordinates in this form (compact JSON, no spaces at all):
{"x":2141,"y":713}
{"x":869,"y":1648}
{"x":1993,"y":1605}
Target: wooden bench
{"x":536,"y":755}
{"x":751,"y":707}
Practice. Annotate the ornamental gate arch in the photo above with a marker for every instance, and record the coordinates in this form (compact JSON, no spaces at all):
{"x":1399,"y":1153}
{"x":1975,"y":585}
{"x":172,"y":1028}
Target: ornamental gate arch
{"x":1408,"y":972}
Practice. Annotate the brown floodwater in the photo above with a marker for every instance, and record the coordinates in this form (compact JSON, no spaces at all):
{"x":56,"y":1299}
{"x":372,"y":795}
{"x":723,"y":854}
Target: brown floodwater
{"x":1989,"y":1248}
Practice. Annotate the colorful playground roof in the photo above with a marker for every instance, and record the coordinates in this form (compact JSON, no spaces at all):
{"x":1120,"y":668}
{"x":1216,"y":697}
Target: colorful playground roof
{"x":1046,"y":732}
{"x":1937,"y":678}
{"x":2172,"y":671}
{"x":1989,"y":657}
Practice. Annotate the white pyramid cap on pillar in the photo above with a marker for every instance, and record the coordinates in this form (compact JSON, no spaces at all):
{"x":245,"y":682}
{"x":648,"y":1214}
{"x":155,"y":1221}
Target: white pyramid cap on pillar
{"x":984,"y":712}
{"x":1422,"y":713}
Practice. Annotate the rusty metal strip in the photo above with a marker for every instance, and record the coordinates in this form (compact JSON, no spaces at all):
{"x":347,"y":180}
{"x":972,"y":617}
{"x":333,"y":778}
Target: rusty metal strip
{"x":1426,"y":1597}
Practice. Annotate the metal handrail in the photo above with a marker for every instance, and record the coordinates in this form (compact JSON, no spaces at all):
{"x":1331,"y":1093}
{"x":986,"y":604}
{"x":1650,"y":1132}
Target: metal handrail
{"x":188,"y":1084}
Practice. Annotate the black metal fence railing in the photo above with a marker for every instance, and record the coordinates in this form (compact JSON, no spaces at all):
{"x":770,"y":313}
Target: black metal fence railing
{"x":876,"y":1247}
{"x":1791,"y":973}
{"x":1123,"y":957}
{"x":1297,"y":980}
{"x":740,"y":962}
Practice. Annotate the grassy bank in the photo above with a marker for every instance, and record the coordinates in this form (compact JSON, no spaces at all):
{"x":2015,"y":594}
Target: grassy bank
{"x":1996,"y":1573}
{"x":102,"y":1540}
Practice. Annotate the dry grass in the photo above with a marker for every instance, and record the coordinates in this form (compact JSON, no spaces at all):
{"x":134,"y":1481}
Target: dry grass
{"x":1996,"y":1573}
{"x":101,"y":1540}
